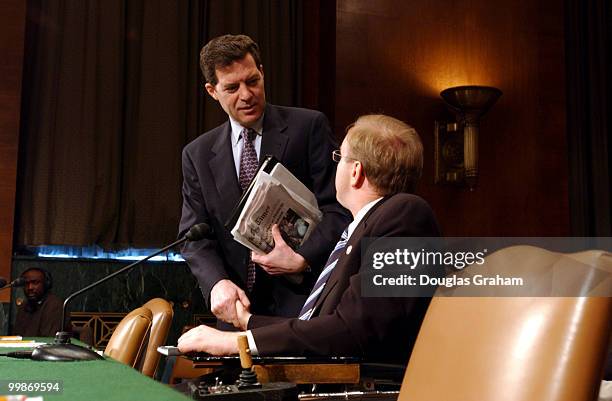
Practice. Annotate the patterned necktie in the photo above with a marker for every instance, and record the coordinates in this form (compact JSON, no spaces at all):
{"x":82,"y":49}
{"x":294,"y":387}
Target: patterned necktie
{"x":248,"y":168}
{"x":308,"y":307}
{"x":248,"y":158}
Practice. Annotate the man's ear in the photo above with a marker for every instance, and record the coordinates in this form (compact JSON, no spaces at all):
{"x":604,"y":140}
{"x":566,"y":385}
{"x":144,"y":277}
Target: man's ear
{"x":357,"y":175}
{"x":211,"y":90}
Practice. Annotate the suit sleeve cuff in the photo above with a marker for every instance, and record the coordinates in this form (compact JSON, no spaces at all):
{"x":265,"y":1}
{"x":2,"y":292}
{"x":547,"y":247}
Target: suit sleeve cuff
{"x":313,"y":257}
{"x":252,"y":345}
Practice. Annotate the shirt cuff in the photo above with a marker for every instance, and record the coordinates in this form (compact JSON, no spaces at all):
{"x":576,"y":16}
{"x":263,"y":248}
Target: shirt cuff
{"x":252,"y":345}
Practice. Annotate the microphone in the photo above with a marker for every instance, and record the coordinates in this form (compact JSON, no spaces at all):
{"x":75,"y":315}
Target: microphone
{"x":198,"y":232}
{"x":62,"y":349}
{"x":18,"y":282}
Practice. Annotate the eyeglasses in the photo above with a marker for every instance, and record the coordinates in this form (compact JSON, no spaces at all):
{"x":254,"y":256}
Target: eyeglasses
{"x":337,"y":156}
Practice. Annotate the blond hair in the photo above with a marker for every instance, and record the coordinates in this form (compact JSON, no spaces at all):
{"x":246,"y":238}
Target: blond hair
{"x":390,"y":151}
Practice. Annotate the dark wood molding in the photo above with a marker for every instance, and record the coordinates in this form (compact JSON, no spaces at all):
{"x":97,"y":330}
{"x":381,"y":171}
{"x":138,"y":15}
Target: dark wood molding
{"x":12,"y":29}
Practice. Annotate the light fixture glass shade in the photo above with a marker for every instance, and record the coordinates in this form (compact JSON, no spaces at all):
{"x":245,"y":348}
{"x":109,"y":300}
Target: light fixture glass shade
{"x":470,"y":100}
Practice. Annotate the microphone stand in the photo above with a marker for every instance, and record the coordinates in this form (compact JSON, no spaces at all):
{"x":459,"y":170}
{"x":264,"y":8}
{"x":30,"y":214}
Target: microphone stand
{"x":118,"y":272}
{"x":62,"y":349}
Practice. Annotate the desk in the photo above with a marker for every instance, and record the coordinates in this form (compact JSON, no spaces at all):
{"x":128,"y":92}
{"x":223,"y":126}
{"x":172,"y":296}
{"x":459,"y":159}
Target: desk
{"x":299,"y":370}
{"x":104,"y":380}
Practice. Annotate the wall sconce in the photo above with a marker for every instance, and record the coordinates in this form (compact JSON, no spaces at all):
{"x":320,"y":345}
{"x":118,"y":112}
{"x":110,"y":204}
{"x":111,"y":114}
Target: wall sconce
{"x":456,"y":155}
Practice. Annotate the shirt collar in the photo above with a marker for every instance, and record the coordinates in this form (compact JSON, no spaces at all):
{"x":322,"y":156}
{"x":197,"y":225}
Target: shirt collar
{"x":237,"y":128}
{"x":359,"y":216}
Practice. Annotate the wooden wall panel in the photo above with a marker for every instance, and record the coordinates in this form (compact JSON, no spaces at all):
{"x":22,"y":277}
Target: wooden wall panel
{"x":395,"y":57}
{"x":319,"y":48}
{"x":12,"y":26}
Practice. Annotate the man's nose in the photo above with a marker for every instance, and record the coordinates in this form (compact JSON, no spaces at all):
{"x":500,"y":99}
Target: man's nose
{"x":245,"y":93}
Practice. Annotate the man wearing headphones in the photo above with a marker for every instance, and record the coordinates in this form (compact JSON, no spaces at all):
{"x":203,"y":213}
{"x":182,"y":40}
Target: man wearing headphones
{"x":40,"y":314}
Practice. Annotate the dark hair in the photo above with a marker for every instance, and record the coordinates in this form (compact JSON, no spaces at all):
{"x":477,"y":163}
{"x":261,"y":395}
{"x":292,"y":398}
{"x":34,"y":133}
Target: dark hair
{"x":48,"y":280}
{"x":223,"y":51}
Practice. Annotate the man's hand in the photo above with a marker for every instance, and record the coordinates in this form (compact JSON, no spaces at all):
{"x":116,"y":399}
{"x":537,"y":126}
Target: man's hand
{"x":243,"y":316}
{"x":207,"y":339}
{"x":282,"y":259}
{"x":223,"y":298}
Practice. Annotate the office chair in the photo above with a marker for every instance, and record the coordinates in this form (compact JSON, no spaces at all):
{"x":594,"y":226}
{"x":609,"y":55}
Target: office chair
{"x":515,"y":348}
{"x":162,"y":320}
{"x":129,"y":338}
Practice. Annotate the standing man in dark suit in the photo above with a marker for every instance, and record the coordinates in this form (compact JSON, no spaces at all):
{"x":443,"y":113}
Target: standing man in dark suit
{"x":379,"y":164}
{"x":217,"y":167}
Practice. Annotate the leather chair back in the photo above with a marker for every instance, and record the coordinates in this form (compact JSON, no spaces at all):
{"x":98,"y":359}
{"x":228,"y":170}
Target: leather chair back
{"x":162,"y":320}
{"x":513,"y":348}
{"x":130,"y":337}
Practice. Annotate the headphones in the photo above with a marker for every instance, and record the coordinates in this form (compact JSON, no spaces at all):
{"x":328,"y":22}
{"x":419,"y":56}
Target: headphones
{"x":48,"y":279}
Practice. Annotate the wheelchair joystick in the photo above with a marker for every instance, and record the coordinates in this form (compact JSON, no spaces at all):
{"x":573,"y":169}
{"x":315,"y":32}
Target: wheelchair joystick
{"x":247,"y":378}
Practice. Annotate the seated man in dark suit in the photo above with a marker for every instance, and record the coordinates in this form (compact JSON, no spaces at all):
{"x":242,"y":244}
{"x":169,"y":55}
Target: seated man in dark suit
{"x":40,"y":314}
{"x":379,"y":164}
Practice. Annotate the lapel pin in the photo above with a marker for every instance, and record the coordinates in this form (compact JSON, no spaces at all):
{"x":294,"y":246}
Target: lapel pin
{"x":349,"y":249}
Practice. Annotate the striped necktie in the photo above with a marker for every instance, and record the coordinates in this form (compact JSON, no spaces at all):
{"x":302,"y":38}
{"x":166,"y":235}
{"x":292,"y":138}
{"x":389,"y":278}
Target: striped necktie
{"x":308,"y":307}
{"x":248,"y":168}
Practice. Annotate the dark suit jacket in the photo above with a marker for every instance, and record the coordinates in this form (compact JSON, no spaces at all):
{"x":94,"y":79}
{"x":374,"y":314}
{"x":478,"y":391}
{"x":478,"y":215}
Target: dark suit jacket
{"x":42,"y":321}
{"x":344,"y":323}
{"x":302,"y":141}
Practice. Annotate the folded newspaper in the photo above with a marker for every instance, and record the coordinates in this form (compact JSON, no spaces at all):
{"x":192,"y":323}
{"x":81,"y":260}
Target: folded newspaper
{"x":275,"y":197}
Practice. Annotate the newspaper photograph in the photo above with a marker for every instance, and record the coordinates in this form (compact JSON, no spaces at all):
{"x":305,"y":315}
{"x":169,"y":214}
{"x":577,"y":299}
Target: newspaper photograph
{"x":269,"y":203}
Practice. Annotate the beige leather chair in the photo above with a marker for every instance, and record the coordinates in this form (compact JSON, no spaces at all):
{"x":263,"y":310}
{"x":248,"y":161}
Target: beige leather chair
{"x":515,"y":348}
{"x":130,"y":337}
{"x":162,"y":320}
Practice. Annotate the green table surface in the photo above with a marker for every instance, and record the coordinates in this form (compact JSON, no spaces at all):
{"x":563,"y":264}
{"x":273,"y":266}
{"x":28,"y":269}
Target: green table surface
{"x":104,"y":380}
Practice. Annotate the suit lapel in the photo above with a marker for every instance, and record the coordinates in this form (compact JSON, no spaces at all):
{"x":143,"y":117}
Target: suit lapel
{"x":274,"y":138}
{"x":339,"y":269}
{"x":222,"y":164}
{"x":354,"y":244}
